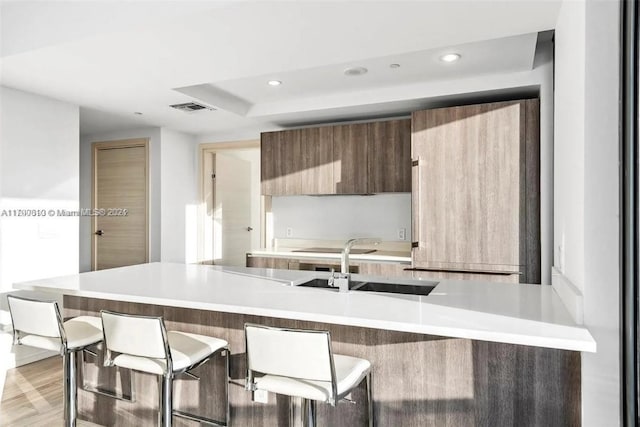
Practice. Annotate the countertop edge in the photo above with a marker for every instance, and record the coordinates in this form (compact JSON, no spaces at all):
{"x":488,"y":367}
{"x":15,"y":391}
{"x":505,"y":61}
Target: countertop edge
{"x":586,"y":344}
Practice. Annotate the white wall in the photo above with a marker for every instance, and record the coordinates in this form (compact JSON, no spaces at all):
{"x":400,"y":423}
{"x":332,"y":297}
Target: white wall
{"x":38,"y":170}
{"x":179,"y":197}
{"x":586,"y":189}
{"x":154,"y":136}
{"x":172,"y":199}
{"x":601,"y":382}
{"x":342,"y":217}
{"x":569,"y":137}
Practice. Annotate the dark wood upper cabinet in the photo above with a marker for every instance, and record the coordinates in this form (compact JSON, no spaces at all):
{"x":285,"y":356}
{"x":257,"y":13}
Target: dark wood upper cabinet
{"x":280,"y":170}
{"x":316,"y":160}
{"x":476,"y":188}
{"x":271,"y":164}
{"x":389,"y":162}
{"x":347,"y":159}
{"x":350,"y":156}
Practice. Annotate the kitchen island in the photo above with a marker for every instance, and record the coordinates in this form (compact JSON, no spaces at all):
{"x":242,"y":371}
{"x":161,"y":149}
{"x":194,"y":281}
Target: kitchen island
{"x":469,"y":353}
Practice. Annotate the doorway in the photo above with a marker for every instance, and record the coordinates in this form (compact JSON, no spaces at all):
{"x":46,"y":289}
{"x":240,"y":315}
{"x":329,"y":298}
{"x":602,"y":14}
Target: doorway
{"x":120,"y":204}
{"x":231,"y":202}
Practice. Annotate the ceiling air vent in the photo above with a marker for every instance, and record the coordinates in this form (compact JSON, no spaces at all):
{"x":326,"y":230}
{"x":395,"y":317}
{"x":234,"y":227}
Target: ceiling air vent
{"x":191,"y":107}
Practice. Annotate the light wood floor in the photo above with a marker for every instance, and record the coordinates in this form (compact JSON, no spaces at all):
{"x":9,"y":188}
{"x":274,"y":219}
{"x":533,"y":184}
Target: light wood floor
{"x":32,"y":396}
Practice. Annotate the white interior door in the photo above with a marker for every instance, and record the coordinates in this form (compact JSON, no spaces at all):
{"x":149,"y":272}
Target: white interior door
{"x":232,"y":228}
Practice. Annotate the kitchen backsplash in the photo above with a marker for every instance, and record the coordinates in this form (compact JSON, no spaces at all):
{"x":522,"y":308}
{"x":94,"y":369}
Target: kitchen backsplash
{"x":387,"y":216}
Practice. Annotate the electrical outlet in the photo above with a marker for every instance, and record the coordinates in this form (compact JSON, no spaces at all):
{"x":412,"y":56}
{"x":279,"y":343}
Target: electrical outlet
{"x":402,"y":234}
{"x":289,"y":232}
{"x":261,"y":396}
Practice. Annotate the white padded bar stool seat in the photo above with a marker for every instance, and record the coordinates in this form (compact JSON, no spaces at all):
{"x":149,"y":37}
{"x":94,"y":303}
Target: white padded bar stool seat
{"x":350,"y":371}
{"x":142,"y":343}
{"x":39,"y":324}
{"x":300,"y":363}
{"x":81,"y":331}
{"x":186,"y":350}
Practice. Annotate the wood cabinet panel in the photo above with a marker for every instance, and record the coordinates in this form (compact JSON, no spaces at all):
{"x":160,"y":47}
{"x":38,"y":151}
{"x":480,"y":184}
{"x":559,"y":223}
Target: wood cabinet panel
{"x":418,"y":380}
{"x":385,"y":269}
{"x":348,"y":159}
{"x":271,"y":166}
{"x":269,"y":262}
{"x":389,"y":161}
{"x":454,"y":275}
{"x":316,"y":160}
{"x":475,"y":188}
{"x":280,"y":171}
{"x":350,"y":154}
{"x":531,"y":251}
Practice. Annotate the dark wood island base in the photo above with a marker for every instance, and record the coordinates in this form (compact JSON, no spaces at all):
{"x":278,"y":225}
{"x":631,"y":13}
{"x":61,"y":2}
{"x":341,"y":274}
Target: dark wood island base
{"x":418,"y":380}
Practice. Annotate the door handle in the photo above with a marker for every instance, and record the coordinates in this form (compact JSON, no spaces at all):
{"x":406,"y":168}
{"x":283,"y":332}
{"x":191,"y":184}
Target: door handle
{"x":99,"y":232}
{"x":249,"y":228}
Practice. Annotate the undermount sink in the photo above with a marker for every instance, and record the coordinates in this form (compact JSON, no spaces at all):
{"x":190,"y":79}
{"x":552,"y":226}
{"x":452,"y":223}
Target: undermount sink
{"x":394,"y":288}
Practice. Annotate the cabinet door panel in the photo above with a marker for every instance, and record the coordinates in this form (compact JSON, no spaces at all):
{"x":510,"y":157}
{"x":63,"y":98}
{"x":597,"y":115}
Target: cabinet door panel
{"x":453,"y":275}
{"x":268,"y":262}
{"x":468,"y":186}
{"x":271,"y":167}
{"x":384,"y":269}
{"x":280,"y":163}
{"x":389,"y":163}
{"x":350,"y":153}
{"x":316,"y":162}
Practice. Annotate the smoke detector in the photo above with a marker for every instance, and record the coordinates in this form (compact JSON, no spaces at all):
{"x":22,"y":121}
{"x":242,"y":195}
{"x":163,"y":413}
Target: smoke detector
{"x":191,"y":107}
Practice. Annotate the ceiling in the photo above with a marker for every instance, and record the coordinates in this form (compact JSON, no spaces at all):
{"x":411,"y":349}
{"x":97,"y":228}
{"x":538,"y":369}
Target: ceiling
{"x":114,"y":58}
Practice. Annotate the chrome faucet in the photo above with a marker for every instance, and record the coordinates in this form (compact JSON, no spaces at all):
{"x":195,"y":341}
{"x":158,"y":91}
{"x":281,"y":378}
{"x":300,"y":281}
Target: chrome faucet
{"x":341,"y":280}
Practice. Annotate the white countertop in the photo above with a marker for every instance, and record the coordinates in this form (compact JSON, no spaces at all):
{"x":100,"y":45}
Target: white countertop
{"x":377,"y":256}
{"x":509,"y":313}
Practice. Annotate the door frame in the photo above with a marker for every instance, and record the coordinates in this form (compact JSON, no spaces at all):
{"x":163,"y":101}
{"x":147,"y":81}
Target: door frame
{"x":123,"y":143}
{"x":206,"y":151}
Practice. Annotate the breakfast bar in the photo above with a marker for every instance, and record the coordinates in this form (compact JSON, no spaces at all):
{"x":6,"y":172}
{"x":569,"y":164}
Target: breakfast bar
{"x":468,"y":353}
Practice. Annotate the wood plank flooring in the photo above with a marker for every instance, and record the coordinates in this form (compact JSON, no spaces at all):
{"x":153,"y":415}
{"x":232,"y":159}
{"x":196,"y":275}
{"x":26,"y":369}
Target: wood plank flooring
{"x":32,"y":396}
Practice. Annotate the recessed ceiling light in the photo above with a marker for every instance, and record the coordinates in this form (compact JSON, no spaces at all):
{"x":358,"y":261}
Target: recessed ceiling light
{"x":137,"y":113}
{"x":274,"y":82}
{"x":355,"y":71}
{"x":394,"y":65}
{"x":450,"y":57}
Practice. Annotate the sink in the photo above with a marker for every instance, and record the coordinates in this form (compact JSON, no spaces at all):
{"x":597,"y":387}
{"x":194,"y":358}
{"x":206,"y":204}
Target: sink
{"x":324,"y":283}
{"x":394,"y":288}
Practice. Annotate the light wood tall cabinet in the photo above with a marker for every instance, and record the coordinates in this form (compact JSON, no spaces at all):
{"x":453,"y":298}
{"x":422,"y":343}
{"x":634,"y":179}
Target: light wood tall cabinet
{"x":356,"y":158}
{"x":476,"y":190}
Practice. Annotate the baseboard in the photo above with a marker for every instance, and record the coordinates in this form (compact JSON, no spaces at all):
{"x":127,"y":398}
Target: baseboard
{"x":569,"y":294}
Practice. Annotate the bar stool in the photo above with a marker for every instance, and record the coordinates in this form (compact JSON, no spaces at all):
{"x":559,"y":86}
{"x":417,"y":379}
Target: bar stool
{"x":143,"y":344}
{"x":39,"y":324}
{"x":300,"y":363}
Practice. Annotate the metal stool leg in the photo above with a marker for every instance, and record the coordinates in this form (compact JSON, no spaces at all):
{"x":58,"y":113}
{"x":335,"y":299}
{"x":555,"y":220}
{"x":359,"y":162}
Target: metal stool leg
{"x":228,"y":379}
{"x":70,"y":389}
{"x":309,"y":411}
{"x":369,"y":400}
{"x":166,"y":401}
